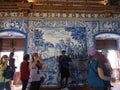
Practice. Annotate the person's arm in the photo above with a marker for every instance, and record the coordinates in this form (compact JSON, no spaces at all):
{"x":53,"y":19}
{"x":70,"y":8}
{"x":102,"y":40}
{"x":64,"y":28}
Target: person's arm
{"x":3,"y":67}
{"x":108,"y":66}
{"x":40,"y":65}
{"x":59,"y":59}
{"x":32,"y":64}
{"x":69,"y":59}
{"x":102,"y":76}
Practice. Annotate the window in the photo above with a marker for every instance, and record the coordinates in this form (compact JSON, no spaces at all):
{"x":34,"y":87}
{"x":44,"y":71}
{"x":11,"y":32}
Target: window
{"x":6,"y":44}
{"x":106,"y":44}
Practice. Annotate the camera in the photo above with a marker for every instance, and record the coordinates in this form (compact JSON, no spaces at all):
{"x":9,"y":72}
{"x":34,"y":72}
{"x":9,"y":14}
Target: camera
{"x":38,"y":66}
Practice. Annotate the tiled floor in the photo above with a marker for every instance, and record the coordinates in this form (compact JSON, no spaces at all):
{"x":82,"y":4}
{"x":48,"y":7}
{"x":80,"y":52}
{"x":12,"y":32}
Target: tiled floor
{"x":116,"y":87}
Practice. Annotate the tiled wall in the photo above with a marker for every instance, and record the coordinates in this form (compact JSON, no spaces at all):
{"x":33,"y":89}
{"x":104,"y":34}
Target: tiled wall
{"x":49,"y":37}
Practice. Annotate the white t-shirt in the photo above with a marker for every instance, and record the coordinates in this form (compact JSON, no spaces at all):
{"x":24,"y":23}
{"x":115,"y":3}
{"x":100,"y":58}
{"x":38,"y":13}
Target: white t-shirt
{"x":34,"y":75}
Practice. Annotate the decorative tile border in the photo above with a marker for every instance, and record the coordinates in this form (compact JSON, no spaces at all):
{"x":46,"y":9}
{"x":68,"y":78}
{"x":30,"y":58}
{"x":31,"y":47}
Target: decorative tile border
{"x":57,"y":15}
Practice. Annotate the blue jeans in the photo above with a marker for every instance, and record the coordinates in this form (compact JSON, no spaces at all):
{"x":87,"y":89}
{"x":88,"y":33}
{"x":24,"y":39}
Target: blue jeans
{"x":34,"y":85}
{"x":24,"y":84}
{"x":100,"y":88}
{"x":5,"y":85}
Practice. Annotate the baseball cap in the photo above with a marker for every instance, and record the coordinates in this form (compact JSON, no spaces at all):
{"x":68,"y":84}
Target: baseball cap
{"x":92,"y":52}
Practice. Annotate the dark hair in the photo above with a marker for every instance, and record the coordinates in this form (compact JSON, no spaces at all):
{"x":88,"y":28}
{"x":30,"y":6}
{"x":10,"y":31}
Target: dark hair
{"x":11,"y":54}
{"x":63,"y":51}
{"x":26,"y":57}
{"x":93,"y":57}
{"x":104,"y":50}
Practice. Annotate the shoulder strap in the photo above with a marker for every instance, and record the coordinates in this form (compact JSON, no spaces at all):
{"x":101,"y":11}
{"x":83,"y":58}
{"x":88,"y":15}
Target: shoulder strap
{"x":96,"y":68}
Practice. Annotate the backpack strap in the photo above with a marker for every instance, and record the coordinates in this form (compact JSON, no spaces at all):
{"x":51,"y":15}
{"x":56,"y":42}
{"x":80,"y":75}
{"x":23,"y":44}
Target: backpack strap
{"x":95,"y":67}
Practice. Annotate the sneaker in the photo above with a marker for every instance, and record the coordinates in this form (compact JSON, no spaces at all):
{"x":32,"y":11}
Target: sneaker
{"x":111,"y":86}
{"x":65,"y":88}
{"x":12,"y":86}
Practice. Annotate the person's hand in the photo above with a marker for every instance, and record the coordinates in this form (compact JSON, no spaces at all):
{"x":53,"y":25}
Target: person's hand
{"x":27,"y":88}
{"x":41,"y":65}
{"x":112,"y":79}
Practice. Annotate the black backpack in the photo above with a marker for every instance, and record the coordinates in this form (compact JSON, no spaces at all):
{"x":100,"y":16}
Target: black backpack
{"x":8,"y":73}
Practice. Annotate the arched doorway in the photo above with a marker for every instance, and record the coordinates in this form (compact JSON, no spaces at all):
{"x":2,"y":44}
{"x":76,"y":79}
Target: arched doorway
{"x":16,"y":39}
{"x":110,"y":41}
{"x":10,"y":35}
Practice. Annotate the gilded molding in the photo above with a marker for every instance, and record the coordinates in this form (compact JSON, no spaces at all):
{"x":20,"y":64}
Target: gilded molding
{"x":25,"y":13}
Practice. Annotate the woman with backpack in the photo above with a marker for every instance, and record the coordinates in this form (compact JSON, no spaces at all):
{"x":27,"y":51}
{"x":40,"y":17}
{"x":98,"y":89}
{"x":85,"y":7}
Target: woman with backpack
{"x":35,"y":75}
{"x":96,"y":75}
{"x":4,"y":82}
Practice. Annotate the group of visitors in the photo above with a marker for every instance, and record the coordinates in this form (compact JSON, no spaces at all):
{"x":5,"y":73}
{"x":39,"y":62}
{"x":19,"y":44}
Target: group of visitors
{"x":5,"y":61}
{"x":99,"y":71}
{"x":30,"y":72}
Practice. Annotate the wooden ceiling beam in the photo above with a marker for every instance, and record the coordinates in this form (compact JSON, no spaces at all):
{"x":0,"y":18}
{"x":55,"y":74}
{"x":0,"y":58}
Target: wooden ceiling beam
{"x":78,"y":3}
{"x":96,"y":8}
{"x":59,"y":6}
{"x":8,"y":7}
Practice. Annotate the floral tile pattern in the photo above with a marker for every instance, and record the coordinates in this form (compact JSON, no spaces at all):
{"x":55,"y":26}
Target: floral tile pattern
{"x":49,"y":37}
